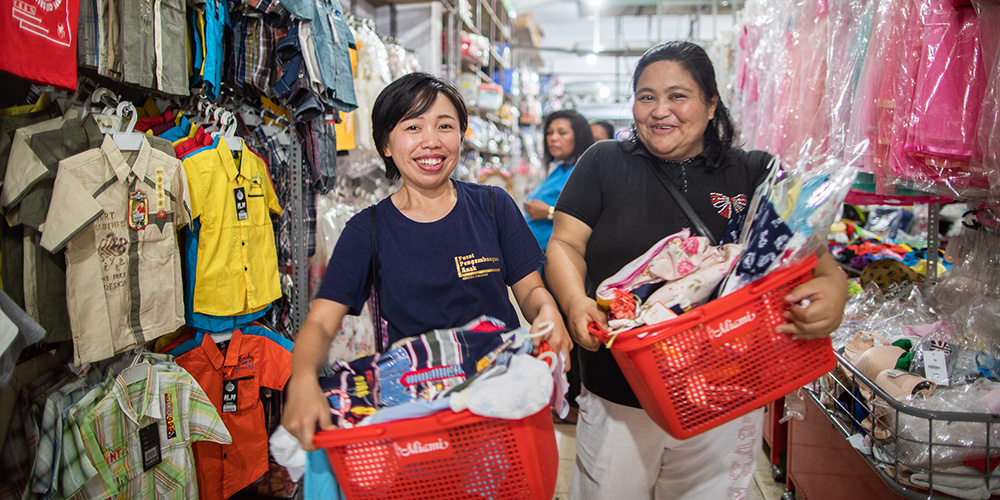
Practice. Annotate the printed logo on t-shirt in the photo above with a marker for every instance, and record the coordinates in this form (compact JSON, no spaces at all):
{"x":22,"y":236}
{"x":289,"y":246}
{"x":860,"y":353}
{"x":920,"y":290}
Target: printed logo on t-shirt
{"x":256,"y":186}
{"x":471,"y":267}
{"x":48,"y":19}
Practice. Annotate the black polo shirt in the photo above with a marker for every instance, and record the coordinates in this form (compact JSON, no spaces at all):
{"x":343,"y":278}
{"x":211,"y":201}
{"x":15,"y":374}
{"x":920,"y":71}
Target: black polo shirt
{"x":616,"y":192}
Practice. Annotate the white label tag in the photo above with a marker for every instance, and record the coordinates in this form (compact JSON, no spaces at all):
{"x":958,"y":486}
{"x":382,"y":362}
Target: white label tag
{"x":657,"y":313}
{"x":936,"y":366}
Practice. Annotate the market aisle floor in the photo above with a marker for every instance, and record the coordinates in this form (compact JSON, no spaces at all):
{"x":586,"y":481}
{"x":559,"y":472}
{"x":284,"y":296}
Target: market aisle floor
{"x":763,"y":487}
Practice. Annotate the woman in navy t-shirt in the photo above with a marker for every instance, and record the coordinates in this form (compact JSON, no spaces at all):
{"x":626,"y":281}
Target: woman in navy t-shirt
{"x":446,"y":250}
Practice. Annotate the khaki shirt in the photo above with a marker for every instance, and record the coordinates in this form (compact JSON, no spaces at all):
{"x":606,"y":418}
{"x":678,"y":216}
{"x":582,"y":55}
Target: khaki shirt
{"x":117,"y":215}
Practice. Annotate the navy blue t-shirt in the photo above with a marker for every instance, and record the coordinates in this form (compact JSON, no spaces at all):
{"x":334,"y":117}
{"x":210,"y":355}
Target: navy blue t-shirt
{"x":439,"y":274}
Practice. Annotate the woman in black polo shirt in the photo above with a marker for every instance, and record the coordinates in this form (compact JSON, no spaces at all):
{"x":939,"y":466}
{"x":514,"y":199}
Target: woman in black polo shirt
{"x":612,"y":210}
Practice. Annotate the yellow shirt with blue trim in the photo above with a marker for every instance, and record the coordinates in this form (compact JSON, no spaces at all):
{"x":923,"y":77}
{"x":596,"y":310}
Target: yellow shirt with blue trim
{"x":232,"y":195}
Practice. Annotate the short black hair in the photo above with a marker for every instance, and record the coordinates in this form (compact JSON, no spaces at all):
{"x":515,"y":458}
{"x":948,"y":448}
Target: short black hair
{"x":607,"y":126}
{"x":407,"y":97}
{"x":583,"y":137}
{"x":720,"y":134}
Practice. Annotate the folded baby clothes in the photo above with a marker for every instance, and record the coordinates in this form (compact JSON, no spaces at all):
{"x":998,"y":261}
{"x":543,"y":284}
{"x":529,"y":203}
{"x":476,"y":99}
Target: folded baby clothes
{"x":684,"y":268}
{"x":424,"y":367}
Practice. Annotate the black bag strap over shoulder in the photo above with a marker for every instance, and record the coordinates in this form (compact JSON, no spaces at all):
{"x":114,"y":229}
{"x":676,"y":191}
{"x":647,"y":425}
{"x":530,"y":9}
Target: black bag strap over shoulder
{"x":376,"y":302}
{"x":699,"y":225}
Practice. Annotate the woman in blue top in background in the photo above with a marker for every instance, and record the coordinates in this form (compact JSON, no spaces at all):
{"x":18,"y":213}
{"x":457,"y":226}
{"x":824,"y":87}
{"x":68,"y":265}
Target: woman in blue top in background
{"x":567,"y":136}
{"x":445,"y":250}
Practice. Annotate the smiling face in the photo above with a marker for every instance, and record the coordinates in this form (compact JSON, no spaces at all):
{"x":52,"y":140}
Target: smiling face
{"x":426,"y":148}
{"x":670,"y":111}
{"x":559,"y":138}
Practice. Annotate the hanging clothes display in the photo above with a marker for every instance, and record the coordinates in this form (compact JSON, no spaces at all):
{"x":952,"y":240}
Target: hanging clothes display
{"x":900,"y":70}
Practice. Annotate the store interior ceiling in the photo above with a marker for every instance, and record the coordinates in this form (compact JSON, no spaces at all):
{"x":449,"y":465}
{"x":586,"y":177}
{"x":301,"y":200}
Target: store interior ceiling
{"x":593,"y":61}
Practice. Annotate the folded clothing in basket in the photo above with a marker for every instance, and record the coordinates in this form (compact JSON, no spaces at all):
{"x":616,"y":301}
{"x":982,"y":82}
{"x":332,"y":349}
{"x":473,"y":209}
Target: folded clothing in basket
{"x":425,"y":367}
{"x":678,"y":268}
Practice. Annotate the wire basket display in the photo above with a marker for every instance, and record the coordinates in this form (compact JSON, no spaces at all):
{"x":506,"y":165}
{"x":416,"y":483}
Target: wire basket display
{"x":918,"y":453}
{"x":721,"y":360}
{"x":446,"y":456}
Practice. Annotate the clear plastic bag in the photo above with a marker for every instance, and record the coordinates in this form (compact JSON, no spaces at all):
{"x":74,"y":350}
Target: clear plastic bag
{"x":950,"y":441}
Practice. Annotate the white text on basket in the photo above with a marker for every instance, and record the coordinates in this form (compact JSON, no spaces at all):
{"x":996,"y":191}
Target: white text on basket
{"x":731,"y":324}
{"x":417,"y":448}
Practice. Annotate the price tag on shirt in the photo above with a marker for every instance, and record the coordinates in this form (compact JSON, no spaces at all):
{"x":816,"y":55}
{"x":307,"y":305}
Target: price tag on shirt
{"x":241,"y":203}
{"x":936,"y":366}
{"x":230,"y":390}
{"x":149,"y":440}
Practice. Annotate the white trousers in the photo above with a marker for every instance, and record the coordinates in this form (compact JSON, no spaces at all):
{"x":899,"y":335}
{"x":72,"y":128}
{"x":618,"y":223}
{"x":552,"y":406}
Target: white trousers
{"x":622,"y":454}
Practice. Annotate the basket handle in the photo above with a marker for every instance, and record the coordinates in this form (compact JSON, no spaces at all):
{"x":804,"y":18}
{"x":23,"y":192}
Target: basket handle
{"x":362,"y":433}
{"x":756,"y":286}
{"x":598,"y":331}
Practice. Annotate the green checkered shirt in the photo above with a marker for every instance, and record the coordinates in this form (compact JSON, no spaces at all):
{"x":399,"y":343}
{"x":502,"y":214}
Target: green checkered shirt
{"x":108,"y":435}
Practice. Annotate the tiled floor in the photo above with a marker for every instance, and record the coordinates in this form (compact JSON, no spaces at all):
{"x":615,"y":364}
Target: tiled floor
{"x":763,"y":487}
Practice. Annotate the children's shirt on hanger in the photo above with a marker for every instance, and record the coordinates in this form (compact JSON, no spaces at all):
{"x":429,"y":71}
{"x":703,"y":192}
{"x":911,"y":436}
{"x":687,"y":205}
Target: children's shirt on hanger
{"x":333,"y":38}
{"x":51,"y":409}
{"x":139,"y":436}
{"x":118,"y":217}
{"x":216,"y":19}
{"x":19,"y":446}
{"x":76,"y":468}
{"x":206,"y":322}
{"x":23,"y":166}
{"x":237,"y":269}
{"x":232,"y":377}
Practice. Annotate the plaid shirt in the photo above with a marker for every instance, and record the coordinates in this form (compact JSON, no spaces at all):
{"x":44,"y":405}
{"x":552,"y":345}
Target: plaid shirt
{"x":51,"y":410}
{"x":167,"y":397}
{"x":75,"y":467}
{"x":18,"y":453}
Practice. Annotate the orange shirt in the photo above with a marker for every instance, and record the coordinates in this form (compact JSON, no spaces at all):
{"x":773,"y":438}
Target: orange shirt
{"x":256,"y":357}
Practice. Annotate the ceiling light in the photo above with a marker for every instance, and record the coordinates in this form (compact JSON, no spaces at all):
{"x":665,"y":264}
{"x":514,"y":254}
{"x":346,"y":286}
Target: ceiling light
{"x":604,"y":91}
{"x":591,"y":59}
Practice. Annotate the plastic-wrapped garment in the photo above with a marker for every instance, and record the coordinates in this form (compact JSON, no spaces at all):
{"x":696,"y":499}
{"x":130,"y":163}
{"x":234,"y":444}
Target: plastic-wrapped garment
{"x":791,"y":215}
{"x":400,"y":61}
{"x":950,"y":83}
{"x":373,"y":58}
{"x":934,"y":134}
{"x":367,"y":90}
{"x":989,"y":126}
{"x":850,"y":27}
{"x":953,"y":441}
{"x":872,"y":311}
{"x":803,"y":117}
{"x":974,"y":274}
{"x":868,"y":119}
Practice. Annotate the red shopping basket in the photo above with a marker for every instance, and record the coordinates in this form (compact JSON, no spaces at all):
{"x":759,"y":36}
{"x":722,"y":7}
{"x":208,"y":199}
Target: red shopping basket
{"x":722,"y":360}
{"x":444,"y":456}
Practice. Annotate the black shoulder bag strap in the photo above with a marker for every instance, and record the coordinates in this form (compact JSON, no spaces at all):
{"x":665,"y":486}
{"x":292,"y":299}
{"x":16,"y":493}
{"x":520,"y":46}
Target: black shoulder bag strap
{"x":493,"y":207}
{"x":376,"y":303}
{"x":699,"y":225}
